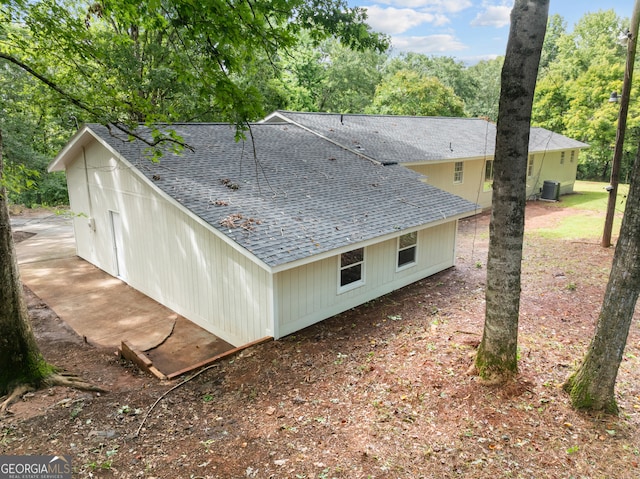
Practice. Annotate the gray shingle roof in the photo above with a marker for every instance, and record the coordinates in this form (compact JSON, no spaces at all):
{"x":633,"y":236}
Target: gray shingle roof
{"x":542,"y":140}
{"x":302,"y":197}
{"x":408,"y":139}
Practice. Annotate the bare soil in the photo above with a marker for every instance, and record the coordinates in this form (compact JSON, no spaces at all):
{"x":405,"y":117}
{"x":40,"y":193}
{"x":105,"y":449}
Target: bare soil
{"x":380,"y":391}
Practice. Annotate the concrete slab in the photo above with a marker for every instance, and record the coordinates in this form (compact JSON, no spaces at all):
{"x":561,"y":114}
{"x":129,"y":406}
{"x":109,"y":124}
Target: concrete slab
{"x":53,"y":237}
{"x":97,"y":306}
{"x":101,"y":308}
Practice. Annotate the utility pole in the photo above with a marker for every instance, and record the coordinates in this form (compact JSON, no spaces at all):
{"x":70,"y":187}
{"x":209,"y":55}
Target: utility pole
{"x":622,"y":125}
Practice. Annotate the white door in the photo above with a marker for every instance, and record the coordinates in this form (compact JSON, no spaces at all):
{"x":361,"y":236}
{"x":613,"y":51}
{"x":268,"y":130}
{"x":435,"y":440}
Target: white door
{"x":118,"y":244}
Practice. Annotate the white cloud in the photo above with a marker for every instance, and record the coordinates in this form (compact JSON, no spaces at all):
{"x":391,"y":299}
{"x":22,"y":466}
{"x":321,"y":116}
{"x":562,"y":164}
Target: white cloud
{"x":493,"y":16}
{"x":398,"y":20}
{"x":429,"y":44}
{"x":472,"y":60}
{"x":448,"y":6}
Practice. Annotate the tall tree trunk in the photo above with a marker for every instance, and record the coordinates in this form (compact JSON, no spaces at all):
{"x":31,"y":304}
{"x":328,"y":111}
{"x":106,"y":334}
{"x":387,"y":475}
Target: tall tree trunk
{"x":496,"y":360}
{"x":20,"y":358}
{"x":592,"y":386}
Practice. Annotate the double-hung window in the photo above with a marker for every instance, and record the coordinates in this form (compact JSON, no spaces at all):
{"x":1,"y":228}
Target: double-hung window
{"x":351,"y":269}
{"x":407,"y":246}
{"x":532,"y":159}
{"x":458,"y":170}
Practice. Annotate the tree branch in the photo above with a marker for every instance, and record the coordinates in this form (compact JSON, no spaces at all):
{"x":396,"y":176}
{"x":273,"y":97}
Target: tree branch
{"x":51,"y":85}
{"x":80,"y":104}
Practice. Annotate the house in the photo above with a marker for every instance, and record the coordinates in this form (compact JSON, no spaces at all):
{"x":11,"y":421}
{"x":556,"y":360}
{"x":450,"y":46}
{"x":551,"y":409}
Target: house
{"x":259,"y":237}
{"x":453,"y":154}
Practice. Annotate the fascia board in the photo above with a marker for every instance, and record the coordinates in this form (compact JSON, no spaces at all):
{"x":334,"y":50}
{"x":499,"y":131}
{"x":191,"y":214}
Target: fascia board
{"x":372,"y":241}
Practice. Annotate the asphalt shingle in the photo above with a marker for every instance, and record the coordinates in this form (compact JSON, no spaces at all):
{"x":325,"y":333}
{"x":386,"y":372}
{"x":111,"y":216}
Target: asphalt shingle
{"x":300,"y":196}
{"x":408,"y":139}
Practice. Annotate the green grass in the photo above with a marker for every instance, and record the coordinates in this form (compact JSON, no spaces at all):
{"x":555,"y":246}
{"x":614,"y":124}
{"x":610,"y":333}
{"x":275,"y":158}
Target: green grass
{"x":592,"y":197}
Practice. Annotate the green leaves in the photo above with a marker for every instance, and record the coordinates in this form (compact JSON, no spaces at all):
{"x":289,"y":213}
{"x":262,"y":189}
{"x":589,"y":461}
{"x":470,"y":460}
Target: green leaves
{"x":17,"y":178}
{"x":407,"y":93}
{"x":582,"y":68}
{"x":130,"y":61}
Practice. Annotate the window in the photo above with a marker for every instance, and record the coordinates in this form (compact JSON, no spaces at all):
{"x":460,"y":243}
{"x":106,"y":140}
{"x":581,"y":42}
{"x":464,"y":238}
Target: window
{"x":573,"y":155}
{"x":351,"y":269}
{"x":488,"y":175}
{"x":562,"y":158}
{"x":532,"y":159}
{"x":407,"y":249}
{"x":457,"y":172}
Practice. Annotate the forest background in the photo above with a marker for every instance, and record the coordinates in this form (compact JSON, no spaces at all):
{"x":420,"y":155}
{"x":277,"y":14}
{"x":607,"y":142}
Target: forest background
{"x":578,"y":72}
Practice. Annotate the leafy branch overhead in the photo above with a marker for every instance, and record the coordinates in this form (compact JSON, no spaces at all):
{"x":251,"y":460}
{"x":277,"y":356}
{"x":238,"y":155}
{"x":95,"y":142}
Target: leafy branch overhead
{"x":139,"y":61}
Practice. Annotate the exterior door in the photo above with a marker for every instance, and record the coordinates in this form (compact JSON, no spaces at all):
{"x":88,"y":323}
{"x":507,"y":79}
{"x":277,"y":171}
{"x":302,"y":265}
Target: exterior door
{"x":118,"y":244}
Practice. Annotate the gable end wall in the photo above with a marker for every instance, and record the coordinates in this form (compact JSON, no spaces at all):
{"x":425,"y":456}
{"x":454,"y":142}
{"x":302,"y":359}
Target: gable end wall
{"x":168,"y":255}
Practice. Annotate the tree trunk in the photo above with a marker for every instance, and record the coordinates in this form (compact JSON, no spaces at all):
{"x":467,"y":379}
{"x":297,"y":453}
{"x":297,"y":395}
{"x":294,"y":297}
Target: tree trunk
{"x":592,"y":386}
{"x":20,"y":358}
{"x":496,"y":360}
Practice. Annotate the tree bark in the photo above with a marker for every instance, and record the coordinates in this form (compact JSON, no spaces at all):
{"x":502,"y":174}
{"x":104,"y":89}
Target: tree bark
{"x":20,"y":359}
{"x":496,"y":360}
{"x":592,"y":386}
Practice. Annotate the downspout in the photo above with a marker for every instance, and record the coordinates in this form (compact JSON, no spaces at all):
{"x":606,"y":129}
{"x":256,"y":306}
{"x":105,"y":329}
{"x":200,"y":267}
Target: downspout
{"x":91,"y":222}
{"x":86,"y":181}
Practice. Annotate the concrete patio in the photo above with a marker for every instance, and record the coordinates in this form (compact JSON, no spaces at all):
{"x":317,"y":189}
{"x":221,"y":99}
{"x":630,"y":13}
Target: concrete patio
{"x":102,"y":309}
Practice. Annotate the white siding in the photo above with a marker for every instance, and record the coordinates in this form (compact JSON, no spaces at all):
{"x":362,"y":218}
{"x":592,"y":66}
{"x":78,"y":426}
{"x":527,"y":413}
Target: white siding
{"x":80,"y":205}
{"x":308,"y":294}
{"x":169,"y":256}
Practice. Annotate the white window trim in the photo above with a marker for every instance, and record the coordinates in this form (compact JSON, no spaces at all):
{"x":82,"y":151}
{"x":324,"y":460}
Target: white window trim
{"x":461,"y":180}
{"x":355,"y":284}
{"x":531,"y":166}
{"x":398,"y":250}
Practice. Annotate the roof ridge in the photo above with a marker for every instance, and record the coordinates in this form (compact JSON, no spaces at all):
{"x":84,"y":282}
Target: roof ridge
{"x":376,"y":115}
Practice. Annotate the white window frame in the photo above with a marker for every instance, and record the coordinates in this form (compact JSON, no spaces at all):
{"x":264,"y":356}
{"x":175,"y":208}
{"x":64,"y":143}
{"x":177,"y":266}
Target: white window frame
{"x":531,"y":165}
{"x":413,"y":246}
{"x":354,"y":284}
{"x":458,"y":172}
{"x":562,"y":155}
{"x":573,"y":156}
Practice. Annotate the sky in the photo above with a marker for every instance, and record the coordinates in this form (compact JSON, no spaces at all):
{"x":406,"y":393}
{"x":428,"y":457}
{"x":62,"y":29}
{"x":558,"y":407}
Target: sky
{"x":468,"y":30}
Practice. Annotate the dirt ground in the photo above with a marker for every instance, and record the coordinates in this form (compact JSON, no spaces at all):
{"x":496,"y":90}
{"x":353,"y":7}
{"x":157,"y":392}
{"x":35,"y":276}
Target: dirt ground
{"x":380,"y":391}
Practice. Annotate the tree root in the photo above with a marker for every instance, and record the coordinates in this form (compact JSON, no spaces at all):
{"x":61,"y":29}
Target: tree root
{"x":14,"y":395}
{"x":71,"y":381}
{"x":55,"y":379}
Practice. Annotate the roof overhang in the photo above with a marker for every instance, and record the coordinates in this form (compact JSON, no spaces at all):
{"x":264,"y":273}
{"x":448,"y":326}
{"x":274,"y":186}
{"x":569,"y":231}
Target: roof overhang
{"x":378,"y":239}
{"x":440,"y":161}
{"x":82,"y":138}
{"x":276,"y":117}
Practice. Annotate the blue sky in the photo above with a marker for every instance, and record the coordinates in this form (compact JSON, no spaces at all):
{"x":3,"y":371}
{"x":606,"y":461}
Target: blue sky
{"x":468,"y":30}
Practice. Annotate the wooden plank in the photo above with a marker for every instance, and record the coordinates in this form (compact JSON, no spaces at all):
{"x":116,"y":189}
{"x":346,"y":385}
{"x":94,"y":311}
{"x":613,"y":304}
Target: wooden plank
{"x":212,"y":360}
{"x":139,"y":359}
